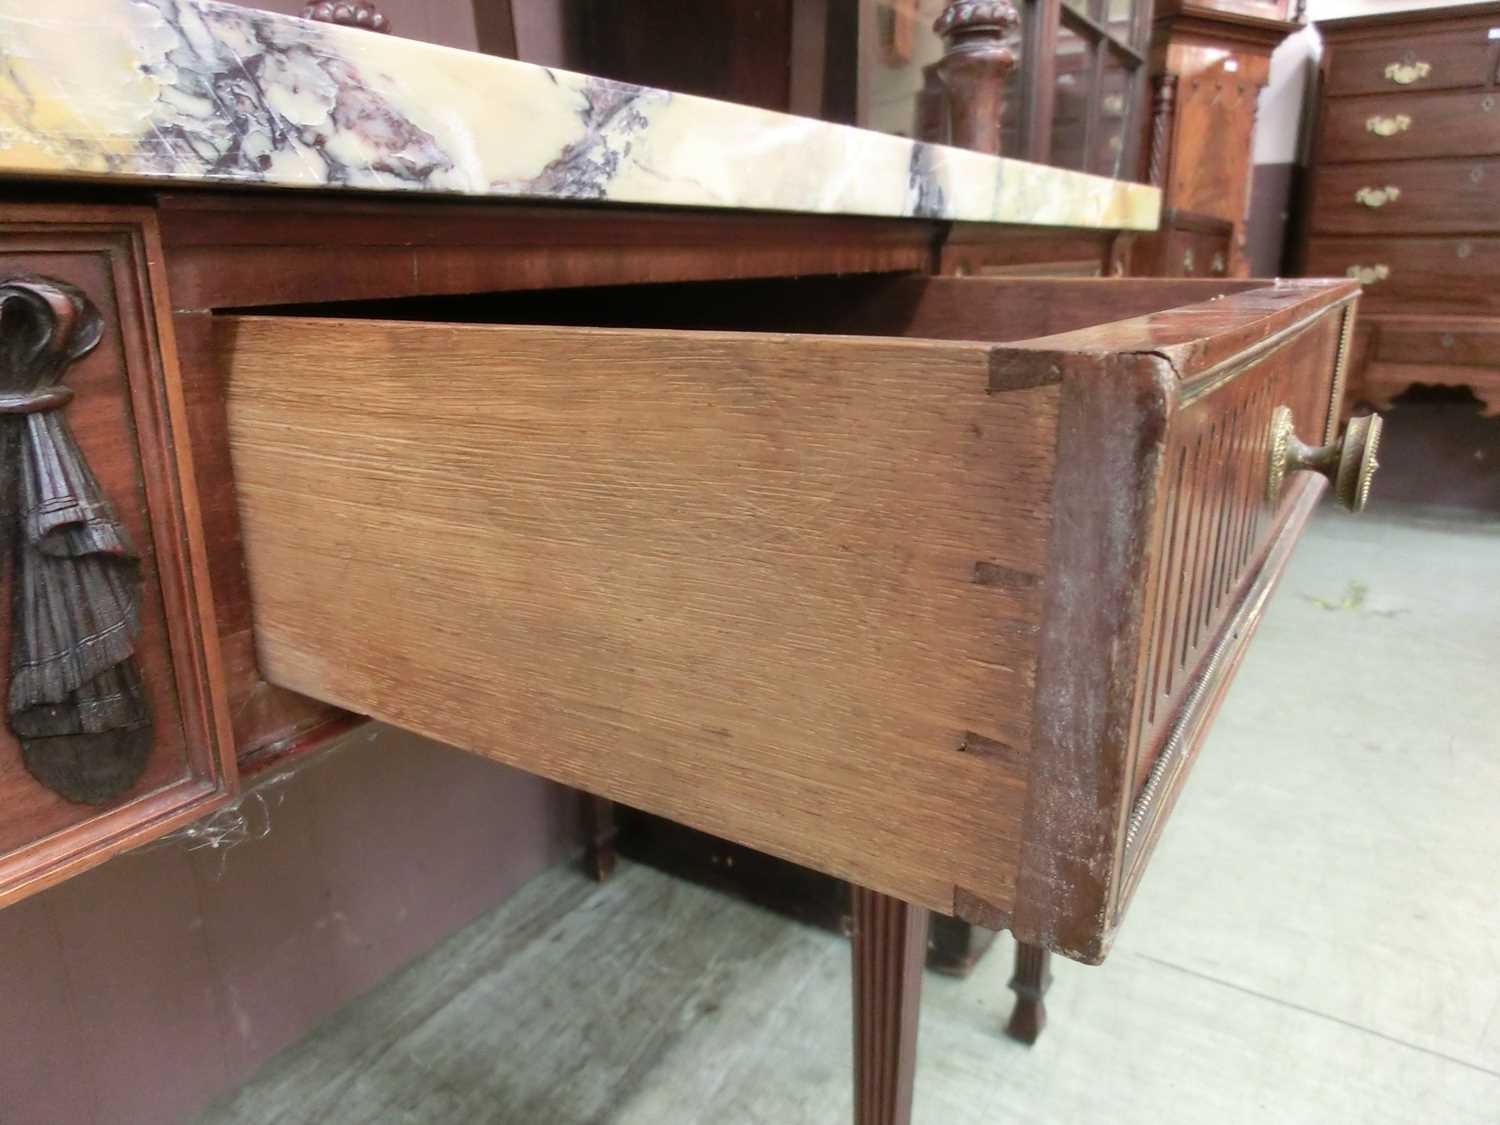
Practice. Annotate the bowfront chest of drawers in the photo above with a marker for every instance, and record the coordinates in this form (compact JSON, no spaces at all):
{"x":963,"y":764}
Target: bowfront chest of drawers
{"x":1405,"y":195}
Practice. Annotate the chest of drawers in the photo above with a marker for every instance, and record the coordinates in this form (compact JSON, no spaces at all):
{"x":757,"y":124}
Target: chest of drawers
{"x":1405,"y":194}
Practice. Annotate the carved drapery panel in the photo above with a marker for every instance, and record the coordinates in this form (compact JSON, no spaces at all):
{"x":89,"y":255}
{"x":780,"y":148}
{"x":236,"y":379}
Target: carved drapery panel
{"x":76,"y":701}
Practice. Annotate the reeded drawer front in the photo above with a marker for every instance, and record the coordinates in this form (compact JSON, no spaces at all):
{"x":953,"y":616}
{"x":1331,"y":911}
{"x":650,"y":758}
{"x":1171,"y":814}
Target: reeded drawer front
{"x":1407,"y":197}
{"x":1214,"y":533}
{"x":1438,"y":275}
{"x":1466,"y":57}
{"x":1403,"y":126}
{"x":861,"y":573}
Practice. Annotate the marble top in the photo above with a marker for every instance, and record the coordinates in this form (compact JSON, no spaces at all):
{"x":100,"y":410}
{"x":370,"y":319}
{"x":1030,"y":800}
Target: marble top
{"x":190,"y":91}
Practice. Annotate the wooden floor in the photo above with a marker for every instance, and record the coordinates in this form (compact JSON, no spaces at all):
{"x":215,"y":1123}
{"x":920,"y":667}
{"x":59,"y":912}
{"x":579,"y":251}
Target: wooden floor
{"x":1318,"y":939}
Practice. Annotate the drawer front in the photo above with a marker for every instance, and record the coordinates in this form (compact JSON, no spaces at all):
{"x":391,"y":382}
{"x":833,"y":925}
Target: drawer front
{"x":1407,"y":197}
{"x":1187,"y":245}
{"x":1198,"y":255}
{"x":1402,"y":126}
{"x":1423,"y":62}
{"x":1216,"y":525}
{"x":116,"y":729}
{"x":1434,"y":275}
{"x":1441,"y":351}
{"x":1455,"y":341}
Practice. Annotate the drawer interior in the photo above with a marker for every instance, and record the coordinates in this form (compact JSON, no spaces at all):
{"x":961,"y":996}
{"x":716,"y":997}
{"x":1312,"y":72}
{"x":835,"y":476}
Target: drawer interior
{"x":792,"y":575}
{"x":993,"y":310}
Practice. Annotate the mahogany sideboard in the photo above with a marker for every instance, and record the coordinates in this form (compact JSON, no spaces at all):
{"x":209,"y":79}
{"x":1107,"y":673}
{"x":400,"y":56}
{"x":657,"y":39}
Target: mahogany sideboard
{"x":677,"y":476}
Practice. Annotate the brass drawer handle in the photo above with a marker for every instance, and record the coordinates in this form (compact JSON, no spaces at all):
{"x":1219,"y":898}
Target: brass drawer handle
{"x":1349,"y":463}
{"x":1377,"y":197}
{"x":1388,"y":126}
{"x":1404,"y":74}
{"x":1369,"y":275}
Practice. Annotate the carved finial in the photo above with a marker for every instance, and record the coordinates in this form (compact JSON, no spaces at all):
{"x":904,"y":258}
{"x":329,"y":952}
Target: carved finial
{"x":976,"y":62}
{"x":349,"y":13}
{"x":76,"y":701}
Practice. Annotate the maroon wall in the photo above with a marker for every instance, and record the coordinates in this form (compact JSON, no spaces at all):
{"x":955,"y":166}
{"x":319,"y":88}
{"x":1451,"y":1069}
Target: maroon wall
{"x":138,"y":992}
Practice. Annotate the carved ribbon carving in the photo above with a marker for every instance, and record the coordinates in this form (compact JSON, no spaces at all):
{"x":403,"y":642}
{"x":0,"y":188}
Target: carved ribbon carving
{"x":76,"y":701}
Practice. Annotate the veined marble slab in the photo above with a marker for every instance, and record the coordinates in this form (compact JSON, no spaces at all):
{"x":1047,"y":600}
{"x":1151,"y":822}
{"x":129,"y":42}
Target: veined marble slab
{"x":195,"y":91}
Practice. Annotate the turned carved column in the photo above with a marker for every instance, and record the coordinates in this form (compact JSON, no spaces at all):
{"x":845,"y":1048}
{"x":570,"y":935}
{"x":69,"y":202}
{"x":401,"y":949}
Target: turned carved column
{"x":977,"y":60}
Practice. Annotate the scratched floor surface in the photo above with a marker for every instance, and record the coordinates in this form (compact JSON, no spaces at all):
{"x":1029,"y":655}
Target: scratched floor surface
{"x":1318,"y":939}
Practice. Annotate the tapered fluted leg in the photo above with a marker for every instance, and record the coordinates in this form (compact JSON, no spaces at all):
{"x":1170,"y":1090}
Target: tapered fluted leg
{"x":890,"y":944}
{"x":1030,"y":981}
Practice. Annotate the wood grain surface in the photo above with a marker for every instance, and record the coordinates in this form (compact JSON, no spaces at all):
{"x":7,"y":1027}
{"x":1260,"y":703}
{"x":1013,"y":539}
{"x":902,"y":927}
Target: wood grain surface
{"x":783,"y":588}
{"x":1452,"y":123}
{"x":1454,"y":46}
{"x":1455,"y":196}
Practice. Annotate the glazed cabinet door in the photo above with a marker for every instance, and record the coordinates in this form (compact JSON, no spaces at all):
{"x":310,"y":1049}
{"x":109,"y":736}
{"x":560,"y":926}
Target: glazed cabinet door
{"x":114,"y":725}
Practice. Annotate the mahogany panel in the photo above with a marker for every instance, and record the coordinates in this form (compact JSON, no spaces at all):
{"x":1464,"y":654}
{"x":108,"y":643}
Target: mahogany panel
{"x":127,"y":416}
{"x":1407,"y":125}
{"x":243,"y":251}
{"x":972,"y":250}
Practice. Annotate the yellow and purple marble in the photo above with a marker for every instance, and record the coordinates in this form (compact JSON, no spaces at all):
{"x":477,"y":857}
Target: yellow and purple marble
{"x":195,"y":91}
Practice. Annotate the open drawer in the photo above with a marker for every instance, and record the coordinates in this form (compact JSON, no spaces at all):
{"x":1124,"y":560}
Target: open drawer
{"x":927,"y":583}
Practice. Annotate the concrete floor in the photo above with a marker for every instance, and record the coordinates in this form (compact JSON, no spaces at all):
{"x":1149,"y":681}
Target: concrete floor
{"x":1318,"y":939}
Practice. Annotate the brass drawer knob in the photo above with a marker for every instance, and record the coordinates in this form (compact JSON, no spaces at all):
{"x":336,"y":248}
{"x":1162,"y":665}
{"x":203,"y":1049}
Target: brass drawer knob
{"x":1348,"y":463}
{"x":1404,"y":74}
{"x":1369,"y":275}
{"x":1376,"y":196}
{"x":1388,"y":126}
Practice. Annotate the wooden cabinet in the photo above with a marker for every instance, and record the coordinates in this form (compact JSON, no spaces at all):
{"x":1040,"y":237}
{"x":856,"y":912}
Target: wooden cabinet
{"x":781,"y":560}
{"x":1402,"y":193}
{"x":1187,"y":245}
{"x":116,"y":725}
{"x":1209,"y":62}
